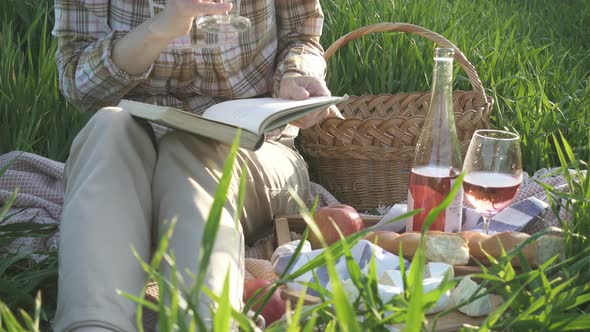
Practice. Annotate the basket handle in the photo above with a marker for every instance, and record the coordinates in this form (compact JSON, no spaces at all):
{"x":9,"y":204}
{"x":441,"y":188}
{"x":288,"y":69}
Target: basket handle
{"x":417,"y":30}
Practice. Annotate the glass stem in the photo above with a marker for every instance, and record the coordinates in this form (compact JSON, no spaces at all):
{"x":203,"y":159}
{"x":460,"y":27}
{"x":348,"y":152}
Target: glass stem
{"x":486,"y":225}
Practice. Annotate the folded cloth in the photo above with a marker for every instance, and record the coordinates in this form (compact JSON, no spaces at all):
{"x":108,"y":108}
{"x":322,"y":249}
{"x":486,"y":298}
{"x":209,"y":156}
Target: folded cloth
{"x":362,"y":253}
{"x":387,"y":270}
{"x":513,"y":218}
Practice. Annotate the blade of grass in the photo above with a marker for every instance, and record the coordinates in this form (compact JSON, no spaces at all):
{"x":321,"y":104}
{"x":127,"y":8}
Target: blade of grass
{"x":212,"y":224}
{"x":222,"y":319}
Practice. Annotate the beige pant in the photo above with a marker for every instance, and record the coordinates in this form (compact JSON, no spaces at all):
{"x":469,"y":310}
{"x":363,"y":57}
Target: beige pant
{"x":121,"y":187}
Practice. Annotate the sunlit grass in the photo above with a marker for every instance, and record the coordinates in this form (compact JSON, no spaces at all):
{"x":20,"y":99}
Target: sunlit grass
{"x":34,"y":117}
{"x":532,"y":57}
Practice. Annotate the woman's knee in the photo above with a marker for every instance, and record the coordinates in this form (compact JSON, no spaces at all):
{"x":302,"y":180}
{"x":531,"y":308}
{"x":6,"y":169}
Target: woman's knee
{"x":114,"y":133}
{"x":113,"y":125}
{"x":115,"y":121}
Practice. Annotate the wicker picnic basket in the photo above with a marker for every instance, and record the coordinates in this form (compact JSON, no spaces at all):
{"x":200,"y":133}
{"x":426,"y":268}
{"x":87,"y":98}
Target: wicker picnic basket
{"x":364,"y":160}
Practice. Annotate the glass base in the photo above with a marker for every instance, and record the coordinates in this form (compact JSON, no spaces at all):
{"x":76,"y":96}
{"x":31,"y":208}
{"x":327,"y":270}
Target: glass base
{"x":223,"y":24}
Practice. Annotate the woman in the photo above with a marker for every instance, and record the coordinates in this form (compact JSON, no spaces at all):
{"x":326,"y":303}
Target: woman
{"x":124,"y":183}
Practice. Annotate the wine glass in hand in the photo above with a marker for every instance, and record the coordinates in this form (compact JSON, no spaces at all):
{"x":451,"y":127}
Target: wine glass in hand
{"x":493,"y":172}
{"x":230,"y":22}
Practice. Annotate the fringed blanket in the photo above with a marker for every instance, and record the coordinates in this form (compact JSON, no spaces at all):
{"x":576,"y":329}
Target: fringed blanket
{"x":39,"y":184}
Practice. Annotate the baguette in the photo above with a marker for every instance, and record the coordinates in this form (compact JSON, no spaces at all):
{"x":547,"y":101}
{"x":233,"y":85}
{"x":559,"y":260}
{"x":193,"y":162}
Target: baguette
{"x":456,"y":248}
{"x":493,"y":245}
{"x":382,"y":238}
{"x":448,"y":248}
{"x":535,"y":253}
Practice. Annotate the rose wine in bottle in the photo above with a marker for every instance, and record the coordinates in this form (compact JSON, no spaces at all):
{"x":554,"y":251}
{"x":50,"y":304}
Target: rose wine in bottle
{"x":437,"y":162}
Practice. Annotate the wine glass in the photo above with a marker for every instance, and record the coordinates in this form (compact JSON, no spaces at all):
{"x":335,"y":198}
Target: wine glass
{"x":230,"y":22}
{"x":493,"y":172}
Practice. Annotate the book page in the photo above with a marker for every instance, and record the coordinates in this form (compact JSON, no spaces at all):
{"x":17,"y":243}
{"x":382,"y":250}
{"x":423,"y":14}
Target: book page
{"x":250,"y":114}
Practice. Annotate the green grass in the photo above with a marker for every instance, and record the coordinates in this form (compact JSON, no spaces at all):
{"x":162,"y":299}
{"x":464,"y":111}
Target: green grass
{"x":532,"y":57}
{"x":34,"y":117}
{"x":554,"y":297}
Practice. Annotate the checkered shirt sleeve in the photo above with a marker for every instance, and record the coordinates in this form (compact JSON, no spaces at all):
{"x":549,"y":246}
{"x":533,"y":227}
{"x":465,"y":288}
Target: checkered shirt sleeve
{"x":299,"y":24}
{"x":284,"y":38}
{"x":88,"y":76}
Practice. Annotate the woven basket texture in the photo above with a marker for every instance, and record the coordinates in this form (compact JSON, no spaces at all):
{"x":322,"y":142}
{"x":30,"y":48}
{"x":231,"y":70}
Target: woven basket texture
{"x":365,"y":159}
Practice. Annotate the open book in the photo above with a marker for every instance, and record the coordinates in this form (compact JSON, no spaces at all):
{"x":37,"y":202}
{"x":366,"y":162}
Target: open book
{"x":255,"y":116}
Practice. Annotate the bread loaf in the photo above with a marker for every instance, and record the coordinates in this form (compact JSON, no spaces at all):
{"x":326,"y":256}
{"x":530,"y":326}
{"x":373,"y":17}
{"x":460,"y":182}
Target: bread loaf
{"x":456,"y":248}
{"x":493,"y":245}
{"x":536,"y":253}
{"x":384,"y":239}
{"x":448,"y":248}
{"x":550,"y":245}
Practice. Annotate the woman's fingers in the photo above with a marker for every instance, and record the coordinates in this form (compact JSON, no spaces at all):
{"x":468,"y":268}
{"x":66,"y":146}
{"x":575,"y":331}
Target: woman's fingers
{"x":317,"y":87}
{"x":302,"y":87}
{"x":299,"y":87}
{"x":209,"y":7}
{"x":295,"y":92}
{"x":178,"y":15}
{"x":316,"y":117}
{"x":192,"y":8}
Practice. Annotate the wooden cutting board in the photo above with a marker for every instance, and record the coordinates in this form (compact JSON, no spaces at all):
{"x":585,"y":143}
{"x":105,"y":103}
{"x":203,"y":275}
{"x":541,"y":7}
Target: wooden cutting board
{"x":453,"y":321}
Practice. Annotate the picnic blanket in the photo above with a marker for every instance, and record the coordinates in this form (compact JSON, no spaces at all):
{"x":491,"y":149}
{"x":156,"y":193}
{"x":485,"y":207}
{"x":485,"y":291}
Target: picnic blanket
{"x":40,"y":196}
{"x":40,"y":185}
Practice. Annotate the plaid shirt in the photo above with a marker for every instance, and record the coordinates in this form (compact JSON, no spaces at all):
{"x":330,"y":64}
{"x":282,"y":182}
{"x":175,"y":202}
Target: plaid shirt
{"x":284,"y":37}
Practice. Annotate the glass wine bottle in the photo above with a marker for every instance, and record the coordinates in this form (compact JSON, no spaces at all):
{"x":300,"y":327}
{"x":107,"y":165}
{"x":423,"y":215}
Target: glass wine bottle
{"x":437,"y":162}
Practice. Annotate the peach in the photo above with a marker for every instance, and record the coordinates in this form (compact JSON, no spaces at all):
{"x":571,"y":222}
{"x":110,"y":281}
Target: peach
{"x":346,"y":220}
{"x":276,"y":306}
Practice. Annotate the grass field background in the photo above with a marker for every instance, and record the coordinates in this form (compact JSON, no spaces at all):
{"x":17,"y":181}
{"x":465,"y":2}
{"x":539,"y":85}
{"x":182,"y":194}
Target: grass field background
{"x":532,"y":57}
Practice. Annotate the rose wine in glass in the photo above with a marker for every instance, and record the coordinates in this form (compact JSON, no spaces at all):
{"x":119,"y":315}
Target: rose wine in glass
{"x":490,"y":192}
{"x":230,"y":22}
{"x":493,"y":170}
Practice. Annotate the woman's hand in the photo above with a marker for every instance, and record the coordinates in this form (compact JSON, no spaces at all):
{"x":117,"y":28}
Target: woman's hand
{"x":315,"y":117}
{"x":138,"y":49}
{"x":297,"y":87}
{"x":176,"y":19}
